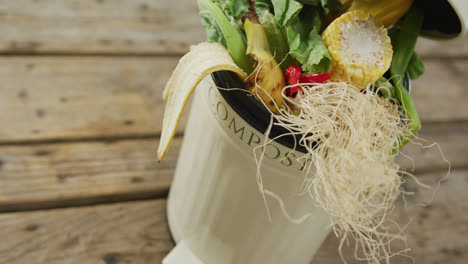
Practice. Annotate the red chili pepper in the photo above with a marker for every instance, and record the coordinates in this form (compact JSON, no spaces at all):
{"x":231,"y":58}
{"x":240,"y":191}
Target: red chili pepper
{"x":315,"y":78}
{"x":292,"y":76}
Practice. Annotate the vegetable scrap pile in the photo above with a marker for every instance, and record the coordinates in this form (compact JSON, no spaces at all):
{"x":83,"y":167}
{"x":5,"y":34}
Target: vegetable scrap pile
{"x":331,"y":72}
{"x":362,"y":42}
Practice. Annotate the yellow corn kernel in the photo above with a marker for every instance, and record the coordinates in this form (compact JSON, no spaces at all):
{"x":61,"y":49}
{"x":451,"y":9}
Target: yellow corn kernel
{"x":361,"y":50}
{"x":386,"y":12}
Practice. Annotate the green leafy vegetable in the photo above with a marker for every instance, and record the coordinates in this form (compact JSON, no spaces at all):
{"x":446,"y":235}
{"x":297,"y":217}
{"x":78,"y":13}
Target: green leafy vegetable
{"x":305,"y":43}
{"x":278,"y":40}
{"x":237,"y":8}
{"x":415,"y":67}
{"x":213,"y":32}
{"x":383,"y":82}
{"x":330,"y":7}
{"x":404,"y":44}
{"x":285,"y":10}
{"x":222,"y":30}
{"x":310,"y":2}
{"x":263,"y":6}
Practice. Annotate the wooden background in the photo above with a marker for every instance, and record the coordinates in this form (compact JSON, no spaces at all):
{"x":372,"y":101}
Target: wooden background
{"x":81,"y":109}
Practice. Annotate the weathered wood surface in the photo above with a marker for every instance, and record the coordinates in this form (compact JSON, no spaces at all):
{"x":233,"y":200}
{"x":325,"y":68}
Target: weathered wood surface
{"x":121,"y":27}
{"x":80,"y":173}
{"x":99,"y":26}
{"x":137,"y":232}
{"x":70,"y":174}
{"x":90,"y":97}
{"x":81,"y":97}
{"x":110,"y":234}
{"x":444,"y":49}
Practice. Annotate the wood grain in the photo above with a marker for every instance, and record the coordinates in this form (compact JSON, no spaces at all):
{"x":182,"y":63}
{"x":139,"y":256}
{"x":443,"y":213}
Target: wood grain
{"x":67,"y":174}
{"x":73,"y":97}
{"x":428,"y":48}
{"x":122,"y":27}
{"x":136,"y":232}
{"x":70,"y":174}
{"x":107,"y":234}
{"x":47,"y":98}
{"x":99,"y":26}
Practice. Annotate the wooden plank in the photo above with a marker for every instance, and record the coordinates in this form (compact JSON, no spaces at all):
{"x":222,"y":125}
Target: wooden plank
{"x":438,"y":92}
{"x":67,"y":174}
{"x":122,"y":233}
{"x":453,"y":49}
{"x":63,"y":97}
{"x":81,"y":173}
{"x":122,"y":26}
{"x":46,"y":98}
{"x":99,"y":26}
{"x":137,"y":232}
{"x":421,"y":156}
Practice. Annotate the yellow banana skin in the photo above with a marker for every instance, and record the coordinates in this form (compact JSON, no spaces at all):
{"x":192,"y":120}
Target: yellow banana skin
{"x":202,"y":60}
{"x":266,"y":81}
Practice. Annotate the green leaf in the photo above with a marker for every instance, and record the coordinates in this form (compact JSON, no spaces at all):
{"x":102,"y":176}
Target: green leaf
{"x":225,"y":31}
{"x":285,"y":10}
{"x":263,"y":6}
{"x":383,"y":82}
{"x":305,"y":43}
{"x":330,"y":7}
{"x":277,"y":40}
{"x":405,"y":41}
{"x":318,"y":60}
{"x":310,"y":2}
{"x":238,"y":8}
{"x":403,"y":48}
{"x":213,"y":32}
{"x":415,"y":67}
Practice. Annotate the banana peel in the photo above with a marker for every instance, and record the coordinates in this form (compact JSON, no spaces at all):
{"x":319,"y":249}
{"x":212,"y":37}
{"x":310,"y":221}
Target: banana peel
{"x":202,"y":60}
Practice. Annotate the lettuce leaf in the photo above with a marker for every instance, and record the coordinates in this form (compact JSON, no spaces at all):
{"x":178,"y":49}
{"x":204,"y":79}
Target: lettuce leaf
{"x":285,"y":10}
{"x":305,"y":43}
{"x":238,"y":8}
{"x":330,"y":7}
{"x":278,"y":40}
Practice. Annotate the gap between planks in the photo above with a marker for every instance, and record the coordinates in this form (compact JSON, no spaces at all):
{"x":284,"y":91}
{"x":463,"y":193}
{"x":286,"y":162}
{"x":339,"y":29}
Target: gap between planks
{"x":51,"y":175}
{"x":104,"y":139}
{"x":137,"y":232}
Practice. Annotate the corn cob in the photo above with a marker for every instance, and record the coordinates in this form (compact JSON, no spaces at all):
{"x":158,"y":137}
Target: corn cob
{"x":361,"y":50}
